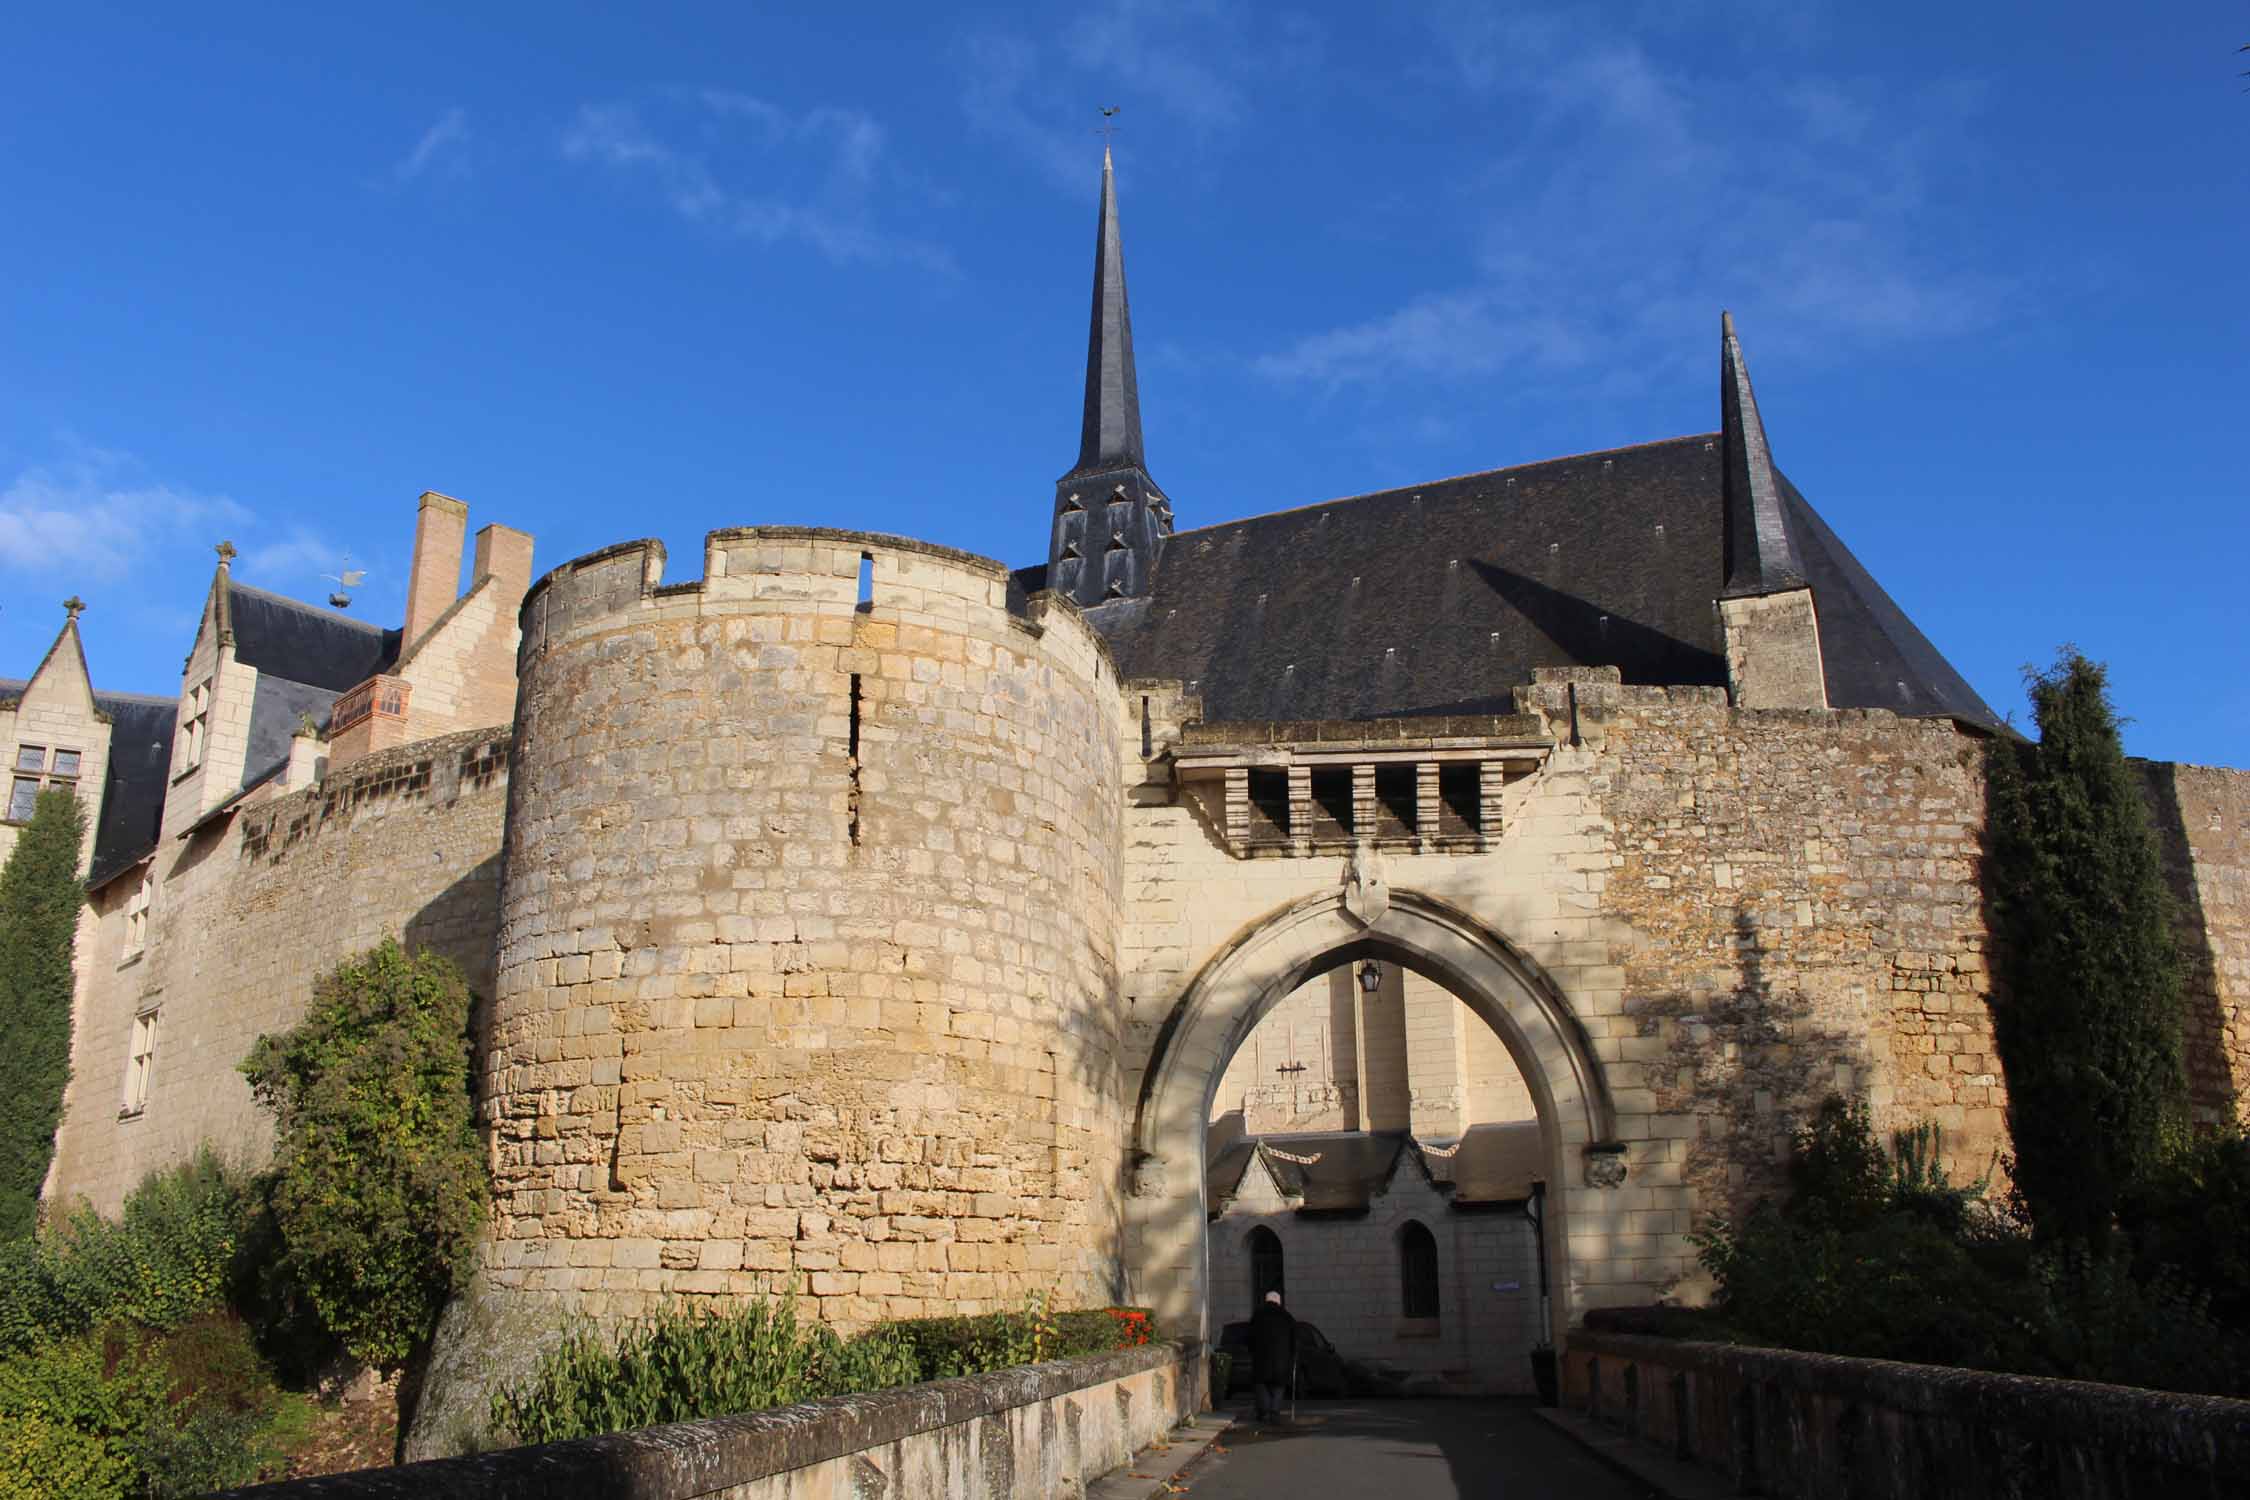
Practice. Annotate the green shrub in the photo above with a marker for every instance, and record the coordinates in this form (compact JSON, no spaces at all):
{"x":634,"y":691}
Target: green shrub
{"x":1885,"y":1258}
{"x":2193,"y":1215}
{"x":682,"y":1364}
{"x":72,"y":1413}
{"x":679,"y":1365}
{"x":169,"y":1257}
{"x":39,"y":901}
{"x":972,"y":1344}
{"x":378,"y":1185}
{"x":196,"y":1450}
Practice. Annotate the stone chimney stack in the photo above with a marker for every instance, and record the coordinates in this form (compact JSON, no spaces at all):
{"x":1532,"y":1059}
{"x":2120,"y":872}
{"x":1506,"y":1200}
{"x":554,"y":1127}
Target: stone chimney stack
{"x":504,"y":555}
{"x":439,"y":529}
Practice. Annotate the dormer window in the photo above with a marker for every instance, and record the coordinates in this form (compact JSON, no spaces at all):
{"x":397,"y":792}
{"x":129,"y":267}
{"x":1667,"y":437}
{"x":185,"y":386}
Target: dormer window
{"x":195,"y":727}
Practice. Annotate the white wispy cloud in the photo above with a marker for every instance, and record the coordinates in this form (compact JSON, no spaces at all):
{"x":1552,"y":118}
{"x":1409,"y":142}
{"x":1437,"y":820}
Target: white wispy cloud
{"x":818,"y":172}
{"x":293,"y":562}
{"x":1634,"y":197}
{"x":441,"y":150}
{"x":1187,"y":63}
{"x":95,"y":514}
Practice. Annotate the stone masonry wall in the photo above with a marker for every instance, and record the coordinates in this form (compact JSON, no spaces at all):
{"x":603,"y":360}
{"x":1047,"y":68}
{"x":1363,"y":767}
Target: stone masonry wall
{"x":807,"y":973}
{"x":244,"y":917}
{"x":1745,"y":909}
{"x":2200,"y":813}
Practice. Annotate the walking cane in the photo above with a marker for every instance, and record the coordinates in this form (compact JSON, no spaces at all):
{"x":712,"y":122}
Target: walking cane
{"x":1292,"y":1389}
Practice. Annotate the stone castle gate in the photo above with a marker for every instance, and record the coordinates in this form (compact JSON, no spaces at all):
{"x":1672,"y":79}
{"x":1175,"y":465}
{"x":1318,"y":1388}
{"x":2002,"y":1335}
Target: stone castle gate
{"x":1167,"y":1245}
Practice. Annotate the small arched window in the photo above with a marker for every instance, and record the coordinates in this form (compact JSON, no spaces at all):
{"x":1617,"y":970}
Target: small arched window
{"x":1265,"y":1265}
{"x":1417,"y":1271}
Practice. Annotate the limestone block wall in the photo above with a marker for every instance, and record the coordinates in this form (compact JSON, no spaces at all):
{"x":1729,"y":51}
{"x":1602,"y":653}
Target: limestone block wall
{"x":1344,"y":1276}
{"x":244,"y":916}
{"x":2200,"y":813}
{"x":1744,"y":909}
{"x":808,"y":960}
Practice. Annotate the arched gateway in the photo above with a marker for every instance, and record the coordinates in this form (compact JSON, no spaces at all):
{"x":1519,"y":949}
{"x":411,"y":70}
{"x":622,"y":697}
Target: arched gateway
{"x":1167,"y":1251}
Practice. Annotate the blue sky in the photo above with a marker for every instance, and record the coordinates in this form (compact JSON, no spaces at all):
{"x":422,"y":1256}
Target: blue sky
{"x":607,"y":273}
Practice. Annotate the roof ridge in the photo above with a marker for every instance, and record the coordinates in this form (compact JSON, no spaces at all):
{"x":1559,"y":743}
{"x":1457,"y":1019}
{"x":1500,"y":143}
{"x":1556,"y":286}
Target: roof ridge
{"x":1541,"y":463}
{"x":312,"y":609}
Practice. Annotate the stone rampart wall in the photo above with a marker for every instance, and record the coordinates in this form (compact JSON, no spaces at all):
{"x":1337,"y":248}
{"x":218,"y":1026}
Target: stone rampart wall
{"x":2199,"y":813}
{"x":1036,"y":1430}
{"x":1784,"y":1423}
{"x":1746,"y":910}
{"x":246,"y":914}
{"x":807,"y":969}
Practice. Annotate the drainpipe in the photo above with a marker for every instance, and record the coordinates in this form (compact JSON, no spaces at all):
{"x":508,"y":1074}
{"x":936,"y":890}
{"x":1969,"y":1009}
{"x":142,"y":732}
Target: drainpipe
{"x":1535,"y":1209}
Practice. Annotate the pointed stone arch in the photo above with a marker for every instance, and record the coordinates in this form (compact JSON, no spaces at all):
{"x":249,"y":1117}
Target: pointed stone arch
{"x":1253,"y":972}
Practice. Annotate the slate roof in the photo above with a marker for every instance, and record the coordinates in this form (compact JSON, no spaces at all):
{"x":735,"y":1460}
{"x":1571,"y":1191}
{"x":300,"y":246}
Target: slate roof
{"x":1440,"y":597}
{"x":1337,"y":1172}
{"x":289,"y":639}
{"x":140,"y":767}
{"x":140,"y":764}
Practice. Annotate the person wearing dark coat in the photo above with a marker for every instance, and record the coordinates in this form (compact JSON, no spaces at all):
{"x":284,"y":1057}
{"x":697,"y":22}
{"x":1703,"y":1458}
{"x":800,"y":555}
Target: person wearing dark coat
{"x":1273,"y":1354}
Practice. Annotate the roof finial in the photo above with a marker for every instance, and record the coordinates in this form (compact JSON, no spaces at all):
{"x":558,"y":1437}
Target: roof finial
{"x":1761,"y":556}
{"x":74,"y":606}
{"x":226,"y":553}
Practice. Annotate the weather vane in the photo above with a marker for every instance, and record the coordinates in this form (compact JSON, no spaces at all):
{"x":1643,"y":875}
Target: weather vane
{"x":1107,"y":129}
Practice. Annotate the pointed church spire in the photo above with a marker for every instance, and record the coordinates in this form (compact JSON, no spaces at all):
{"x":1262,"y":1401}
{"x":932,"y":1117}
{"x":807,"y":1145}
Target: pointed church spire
{"x":1761,"y":556}
{"x":1110,"y":519}
{"x":1111,"y":435}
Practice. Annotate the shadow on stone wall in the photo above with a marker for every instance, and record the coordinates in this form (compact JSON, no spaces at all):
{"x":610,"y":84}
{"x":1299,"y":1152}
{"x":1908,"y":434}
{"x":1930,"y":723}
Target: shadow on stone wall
{"x":2212,"y":1093}
{"x":1751,"y":1060}
{"x":463,"y":923}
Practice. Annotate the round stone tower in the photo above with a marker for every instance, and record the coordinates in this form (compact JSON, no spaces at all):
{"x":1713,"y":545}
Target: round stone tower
{"x":807,"y":968}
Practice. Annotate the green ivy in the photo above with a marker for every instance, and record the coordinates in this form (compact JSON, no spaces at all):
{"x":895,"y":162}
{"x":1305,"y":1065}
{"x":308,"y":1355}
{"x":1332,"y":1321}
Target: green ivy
{"x":2086,"y":1017}
{"x":39,"y":901}
{"x":378,"y":1187}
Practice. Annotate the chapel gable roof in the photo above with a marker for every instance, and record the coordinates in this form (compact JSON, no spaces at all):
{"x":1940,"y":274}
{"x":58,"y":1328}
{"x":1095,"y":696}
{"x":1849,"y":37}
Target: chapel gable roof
{"x":1441,"y":597}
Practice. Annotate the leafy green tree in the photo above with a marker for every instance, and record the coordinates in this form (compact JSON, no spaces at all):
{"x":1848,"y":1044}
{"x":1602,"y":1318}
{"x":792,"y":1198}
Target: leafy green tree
{"x":2086,"y":1018}
{"x":39,"y":901}
{"x":378,"y":1187}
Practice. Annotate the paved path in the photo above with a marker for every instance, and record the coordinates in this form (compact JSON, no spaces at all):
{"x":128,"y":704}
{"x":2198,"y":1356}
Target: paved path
{"x":1405,"y":1450}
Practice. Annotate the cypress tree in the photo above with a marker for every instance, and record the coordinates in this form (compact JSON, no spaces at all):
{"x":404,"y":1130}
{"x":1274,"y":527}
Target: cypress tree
{"x":39,"y":900}
{"x":2086,"y":1018}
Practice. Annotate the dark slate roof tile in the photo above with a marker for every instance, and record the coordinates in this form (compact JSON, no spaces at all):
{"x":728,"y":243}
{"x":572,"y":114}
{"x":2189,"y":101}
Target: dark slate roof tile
{"x":290,"y":639}
{"x":1442,"y":597}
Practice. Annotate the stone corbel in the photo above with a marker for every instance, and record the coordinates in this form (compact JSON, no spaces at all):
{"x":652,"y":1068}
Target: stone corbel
{"x":1605,"y":1164}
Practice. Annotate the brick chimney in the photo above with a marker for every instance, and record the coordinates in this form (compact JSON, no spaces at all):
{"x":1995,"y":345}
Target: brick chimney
{"x":504,"y":555}
{"x":439,"y":529}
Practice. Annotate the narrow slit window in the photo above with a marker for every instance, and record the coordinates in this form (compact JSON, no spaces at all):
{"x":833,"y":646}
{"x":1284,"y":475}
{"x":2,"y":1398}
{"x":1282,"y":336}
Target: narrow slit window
{"x":867,"y":580}
{"x":1417,"y":1269}
{"x":852,"y":754}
